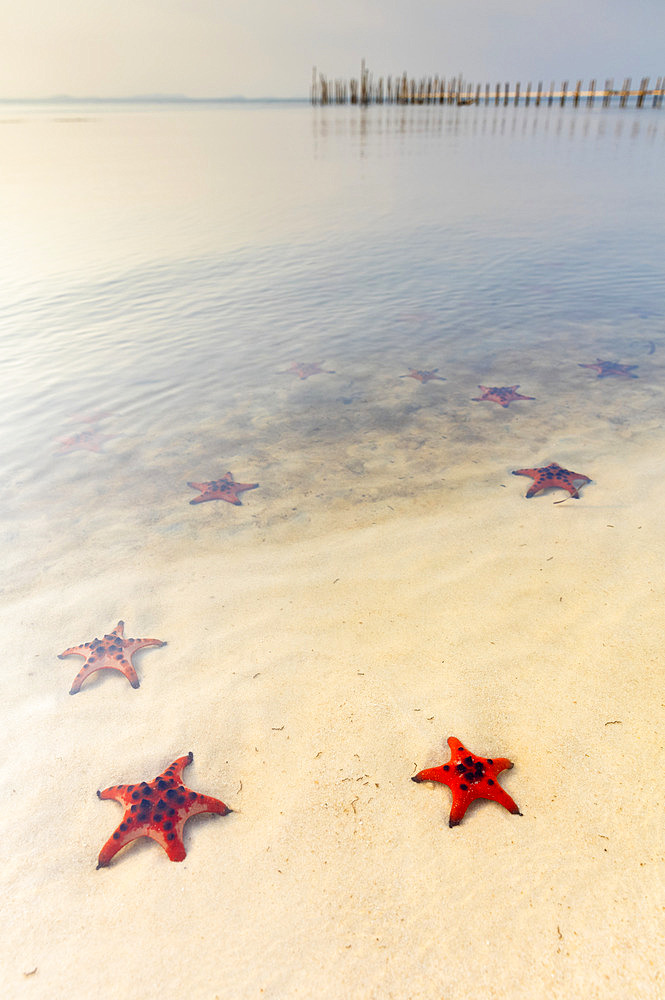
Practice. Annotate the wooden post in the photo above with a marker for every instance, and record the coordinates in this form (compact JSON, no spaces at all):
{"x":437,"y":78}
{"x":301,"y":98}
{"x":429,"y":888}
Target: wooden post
{"x":624,"y":92}
{"x":591,"y":95}
{"x":564,"y":91}
{"x":487,"y":94}
{"x":550,"y":96}
{"x":607,"y":94}
{"x":517,"y":94}
{"x":643,"y":89}
{"x":505,"y":95}
{"x":527,"y":99}
{"x":539,"y":93}
{"x":496,"y":95}
{"x":478,"y":94}
{"x":657,"y":98}
{"x":576,"y":96}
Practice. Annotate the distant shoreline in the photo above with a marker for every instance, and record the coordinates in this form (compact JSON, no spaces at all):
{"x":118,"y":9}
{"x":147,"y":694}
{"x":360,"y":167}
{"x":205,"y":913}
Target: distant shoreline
{"x":152,"y":99}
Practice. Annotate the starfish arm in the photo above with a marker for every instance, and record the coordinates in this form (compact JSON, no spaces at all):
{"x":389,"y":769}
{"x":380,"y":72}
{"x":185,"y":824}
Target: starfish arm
{"x":119,"y":793}
{"x":116,"y":842}
{"x":500,"y":763}
{"x":526,"y":472}
{"x":175,"y":769}
{"x":135,"y":644}
{"x":204,"y":804}
{"x":461,"y":802}
{"x":432,"y":774}
{"x":83,"y":651}
{"x":501,"y":796}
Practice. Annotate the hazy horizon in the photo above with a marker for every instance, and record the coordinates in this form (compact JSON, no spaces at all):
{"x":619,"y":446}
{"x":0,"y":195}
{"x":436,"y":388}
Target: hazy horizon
{"x":213,"y":49}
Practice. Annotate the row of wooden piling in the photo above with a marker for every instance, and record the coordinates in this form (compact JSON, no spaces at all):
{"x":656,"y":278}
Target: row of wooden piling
{"x":455,"y":90}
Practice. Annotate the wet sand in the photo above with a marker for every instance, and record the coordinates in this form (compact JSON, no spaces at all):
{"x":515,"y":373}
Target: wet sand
{"x":387,"y":586}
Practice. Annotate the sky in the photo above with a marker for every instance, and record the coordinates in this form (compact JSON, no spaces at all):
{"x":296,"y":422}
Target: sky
{"x":267,"y":48}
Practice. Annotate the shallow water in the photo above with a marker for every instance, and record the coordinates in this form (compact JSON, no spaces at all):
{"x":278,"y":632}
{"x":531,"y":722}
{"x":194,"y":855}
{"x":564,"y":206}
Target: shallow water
{"x":164,"y":270}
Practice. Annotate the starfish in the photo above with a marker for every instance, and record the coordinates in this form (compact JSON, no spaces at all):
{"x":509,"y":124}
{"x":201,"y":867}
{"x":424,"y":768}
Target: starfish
{"x":113,"y":652}
{"x":423,"y":376}
{"x":469,"y":777}
{"x":90,"y":440}
{"x":605,"y":368}
{"x":225,"y":488}
{"x":553,"y":475}
{"x":158,"y":809}
{"x":303,"y":371}
{"x":503,"y":395}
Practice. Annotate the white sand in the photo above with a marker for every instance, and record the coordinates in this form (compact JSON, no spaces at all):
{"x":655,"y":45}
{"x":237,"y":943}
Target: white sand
{"x":366,"y":602}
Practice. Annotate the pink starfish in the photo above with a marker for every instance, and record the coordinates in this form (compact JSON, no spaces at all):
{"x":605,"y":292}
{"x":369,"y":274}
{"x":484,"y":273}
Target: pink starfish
{"x":423,"y":376}
{"x":503,"y":395}
{"x":113,"y":652}
{"x":157,"y":809}
{"x":225,"y":488}
{"x":605,"y":368}
{"x":89,"y":440}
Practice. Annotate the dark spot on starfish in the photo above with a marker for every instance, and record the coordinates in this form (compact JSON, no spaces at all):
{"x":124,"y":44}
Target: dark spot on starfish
{"x":170,"y":836}
{"x":490,"y":781}
{"x":158,"y":817}
{"x":168,"y":824}
{"x":463,"y":787}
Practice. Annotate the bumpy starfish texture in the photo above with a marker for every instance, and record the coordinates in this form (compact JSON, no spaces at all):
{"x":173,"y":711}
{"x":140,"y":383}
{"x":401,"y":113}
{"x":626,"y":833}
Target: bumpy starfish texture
{"x":423,"y":376}
{"x":113,"y":652}
{"x":553,"y":475}
{"x":225,"y":488}
{"x":304,"y":371}
{"x":469,"y":778}
{"x":503,"y":395}
{"x":605,"y":368}
{"x":158,"y":809}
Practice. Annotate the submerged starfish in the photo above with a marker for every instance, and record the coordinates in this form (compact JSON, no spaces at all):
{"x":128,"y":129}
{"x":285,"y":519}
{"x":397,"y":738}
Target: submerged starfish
{"x":225,"y":488}
{"x":113,"y":652}
{"x":553,"y":475}
{"x":157,"y":809}
{"x":503,"y":395}
{"x":90,"y":440}
{"x":605,"y":368}
{"x":305,"y":370}
{"x":423,"y":376}
{"x":469,"y":777}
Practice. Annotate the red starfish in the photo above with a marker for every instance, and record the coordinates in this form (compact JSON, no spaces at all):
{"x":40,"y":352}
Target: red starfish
{"x":605,"y":368}
{"x":553,"y":475}
{"x":469,"y":778}
{"x":225,"y":488}
{"x":158,"y":809}
{"x":503,"y":395}
{"x":113,"y":652}
{"x":305,"y":370}
{"x":423,"y":376}
{"x":90,"y":440}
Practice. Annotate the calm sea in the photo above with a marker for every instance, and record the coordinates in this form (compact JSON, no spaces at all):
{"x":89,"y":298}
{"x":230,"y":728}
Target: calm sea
{"x":163,"y":267}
